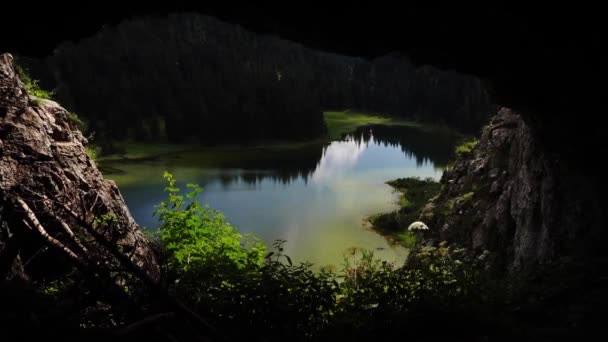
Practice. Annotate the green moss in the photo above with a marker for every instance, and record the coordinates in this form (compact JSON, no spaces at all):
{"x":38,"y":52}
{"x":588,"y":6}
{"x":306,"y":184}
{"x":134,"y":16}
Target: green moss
{"x":467,"y":197}
{"x":50,"y":290}
{"x":449,"y":204}
{"x":466,"y":147}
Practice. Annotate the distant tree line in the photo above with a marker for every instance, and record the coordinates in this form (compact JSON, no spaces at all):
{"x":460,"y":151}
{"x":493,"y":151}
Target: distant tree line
{"x":189,"y":77}
{"x":392,"y":85}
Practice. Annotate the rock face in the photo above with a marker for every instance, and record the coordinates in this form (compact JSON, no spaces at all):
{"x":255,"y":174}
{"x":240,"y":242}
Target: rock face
{"x":44,"y":167}
{"x":510,"y":196}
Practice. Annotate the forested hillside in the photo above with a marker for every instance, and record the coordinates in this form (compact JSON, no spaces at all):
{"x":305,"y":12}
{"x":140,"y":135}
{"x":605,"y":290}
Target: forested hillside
{"x":188,"y":77}
{"x":391,"y":85}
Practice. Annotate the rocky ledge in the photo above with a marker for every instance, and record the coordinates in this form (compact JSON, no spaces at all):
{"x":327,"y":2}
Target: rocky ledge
{"x":512,"y":197}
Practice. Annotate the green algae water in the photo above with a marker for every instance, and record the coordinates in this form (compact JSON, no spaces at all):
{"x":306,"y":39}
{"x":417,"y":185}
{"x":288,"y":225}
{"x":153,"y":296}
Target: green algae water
{"x":315,"y":196}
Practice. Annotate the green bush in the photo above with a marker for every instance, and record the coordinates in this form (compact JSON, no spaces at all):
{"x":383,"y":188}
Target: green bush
{"x":232,"y":279}
{"x":83,"y":125}
{"x":407,"y":239}
{"x":194,"y":234}
{"x":32,"y":86}
{"x":93,"y":151}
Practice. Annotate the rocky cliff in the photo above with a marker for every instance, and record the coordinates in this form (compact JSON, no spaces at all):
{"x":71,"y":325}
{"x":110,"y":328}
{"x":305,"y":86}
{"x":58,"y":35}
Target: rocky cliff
{"x":53,"y":195}
{"x":513,"y":197}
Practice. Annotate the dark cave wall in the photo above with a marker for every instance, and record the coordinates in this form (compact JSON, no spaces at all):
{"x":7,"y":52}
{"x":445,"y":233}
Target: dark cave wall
{"x":545,"y":62}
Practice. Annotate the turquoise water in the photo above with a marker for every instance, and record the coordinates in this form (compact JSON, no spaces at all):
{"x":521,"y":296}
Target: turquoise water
{"x":315,"y":197}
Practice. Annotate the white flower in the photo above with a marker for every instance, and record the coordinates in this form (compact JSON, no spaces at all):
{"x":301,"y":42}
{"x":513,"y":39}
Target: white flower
{"x":417,"y":226}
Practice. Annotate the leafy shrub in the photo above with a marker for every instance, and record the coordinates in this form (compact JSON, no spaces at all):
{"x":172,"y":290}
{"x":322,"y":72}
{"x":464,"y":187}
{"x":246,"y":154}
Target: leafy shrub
{"x":194,"y":234}
{"x":93,"y":151}
{"x":83,"y":125}
{"x":232,"y":280}
{"x":32,"y":86}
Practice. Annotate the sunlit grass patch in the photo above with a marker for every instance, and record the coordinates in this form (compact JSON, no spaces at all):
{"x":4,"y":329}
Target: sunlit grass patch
{"x":466,"y":147}
{"x":340,"y":123}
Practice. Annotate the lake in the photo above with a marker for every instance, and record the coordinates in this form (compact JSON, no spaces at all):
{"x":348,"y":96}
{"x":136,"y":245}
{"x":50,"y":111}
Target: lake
{"x":316,"y":196}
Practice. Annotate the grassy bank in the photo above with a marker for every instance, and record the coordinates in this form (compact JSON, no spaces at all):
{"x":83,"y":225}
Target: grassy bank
{"x":340,"y":123}
{"x":137,"y":150}
{"x":415,"y":194}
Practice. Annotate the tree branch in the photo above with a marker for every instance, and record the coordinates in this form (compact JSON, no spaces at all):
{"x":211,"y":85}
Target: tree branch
{"x":33,"y":221}
{"x":73,"y":237}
